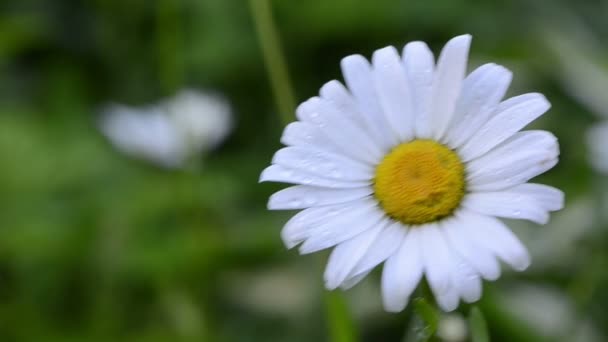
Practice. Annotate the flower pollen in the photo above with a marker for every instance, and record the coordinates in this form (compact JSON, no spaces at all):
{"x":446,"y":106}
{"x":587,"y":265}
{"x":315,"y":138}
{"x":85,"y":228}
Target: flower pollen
{"x":420,"y":181}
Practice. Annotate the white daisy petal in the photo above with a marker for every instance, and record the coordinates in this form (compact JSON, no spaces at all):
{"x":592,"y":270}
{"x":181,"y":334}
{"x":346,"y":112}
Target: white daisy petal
{"x":385,"y":245}
{"x":448,"y":300}
{"x":305,"y":196}
{"x":419,"y":64}
{"x":507,"y":204}
{"x":494,"y":235}
{"x":350,"y":282}
{"x":548,"y":197}
{"x":278,"y":173}
{"x":402,"y":273}
{"x":436,"y":257}
{"x":336,"y":93}
{"x":482,"y":91}
{"x":364,"y":215}
{"x":307,"y":135}
{"x":394,"y":92}
{"x":302,"y":225}
{"x":346,"y":255}
{"x":511,"y":116}
{"x":467,"y":280}
{"x":523,"y":156}
{"x":348,"y":136}
{"x":478,"y":256}
{"x":525,"y":141}
{"x":451,"y":67}
{"x":322,"y":163}
{"x":359,"y":78}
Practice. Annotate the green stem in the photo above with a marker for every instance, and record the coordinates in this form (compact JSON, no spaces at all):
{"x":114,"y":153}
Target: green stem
{"x":478,"y":326}
{"x":276,"y":66}
{"x":340,"y":324}
{"x":168,"y":33}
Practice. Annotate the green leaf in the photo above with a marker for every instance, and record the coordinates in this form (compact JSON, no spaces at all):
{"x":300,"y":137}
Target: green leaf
{"x":424,"y":323}
{"x":477,"y":323}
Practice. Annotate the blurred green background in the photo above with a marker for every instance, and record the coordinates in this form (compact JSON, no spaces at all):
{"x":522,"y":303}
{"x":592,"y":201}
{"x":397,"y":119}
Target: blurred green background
{"x":98,"y":246}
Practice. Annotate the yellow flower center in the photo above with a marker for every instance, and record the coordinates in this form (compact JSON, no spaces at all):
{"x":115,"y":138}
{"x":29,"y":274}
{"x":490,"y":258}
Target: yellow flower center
{"x":420,"y":181}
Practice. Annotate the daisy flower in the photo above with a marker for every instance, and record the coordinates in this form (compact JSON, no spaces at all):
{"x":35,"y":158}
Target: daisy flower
{"x":411,"y":166}
{"x":171,"y":132}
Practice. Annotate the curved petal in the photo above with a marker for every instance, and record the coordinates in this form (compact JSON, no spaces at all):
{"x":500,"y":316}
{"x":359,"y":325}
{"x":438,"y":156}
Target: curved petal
{"x":365,"y":215}
{"x":323,"y":164}
{"x":402,"y":273}
{"x":352,"y":281}
{"x":498,"y":238}
{"x":334,"y":92}
{"x":304,"y":134}
{"x":548,"y":197}
{"x":346,"y":255}
{"x":342,"y":131}
{"x":507,"y":204}
{"x":302,"y":225}
{"x":278,"y":173}
{"x":511,"y":116}
{"x":359,"y":79}
{"x":467,"y":281}
{"x":478,"y":256}
{"x":520,"y":142}
{"x":521,"y":157}
{"x":394,"y":93}
{"x":385,"y":245}
{"x":436,"y":258}
{"x":305,"y":196}
{"x":419,"y":65}
{"x":450,"y":71}
{"x":343,"y":101}
{"x":448,"y":300}
{"x":481,"y":93}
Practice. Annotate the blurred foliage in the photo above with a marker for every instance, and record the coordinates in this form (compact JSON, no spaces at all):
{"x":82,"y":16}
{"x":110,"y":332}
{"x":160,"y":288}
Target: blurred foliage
{"x":98,"y":247}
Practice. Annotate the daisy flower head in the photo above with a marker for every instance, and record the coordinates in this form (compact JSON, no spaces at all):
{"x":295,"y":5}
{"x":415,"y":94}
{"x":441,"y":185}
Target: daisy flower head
{"x":410,"y":164}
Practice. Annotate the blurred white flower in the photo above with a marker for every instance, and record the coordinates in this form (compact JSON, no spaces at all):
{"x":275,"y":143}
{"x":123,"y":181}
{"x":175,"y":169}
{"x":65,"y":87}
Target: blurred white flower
{"x":452,"y":328}
{"x":171,"y":132}
{"x":597,"y":140}
{"x":584,"y":77}
{"x":282,"y":291}
{"x":549,"y":311}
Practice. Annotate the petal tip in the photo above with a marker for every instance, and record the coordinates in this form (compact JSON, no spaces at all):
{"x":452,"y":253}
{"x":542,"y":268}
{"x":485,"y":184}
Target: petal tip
{"x":394,"y":307}
{"x":350,"y":60}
